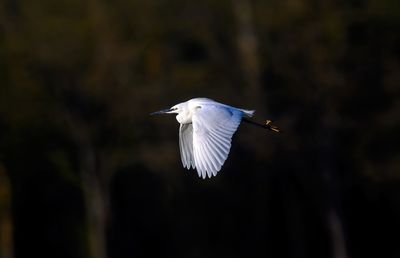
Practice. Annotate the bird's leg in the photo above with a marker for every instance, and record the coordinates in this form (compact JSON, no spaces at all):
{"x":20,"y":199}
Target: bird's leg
{"x":267,"y":125}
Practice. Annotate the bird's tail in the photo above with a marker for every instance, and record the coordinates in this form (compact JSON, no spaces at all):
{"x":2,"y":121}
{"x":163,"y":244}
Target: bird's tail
{"x":248,"y":113}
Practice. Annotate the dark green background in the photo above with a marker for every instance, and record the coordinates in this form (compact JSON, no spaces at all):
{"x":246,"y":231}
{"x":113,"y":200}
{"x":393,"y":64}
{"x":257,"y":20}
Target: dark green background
{"x":86,"y":172}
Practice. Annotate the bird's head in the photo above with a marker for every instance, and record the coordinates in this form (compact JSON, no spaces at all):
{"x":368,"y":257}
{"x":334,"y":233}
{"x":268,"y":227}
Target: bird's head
{"x":173,"y":110}
{"x":182,"y":111}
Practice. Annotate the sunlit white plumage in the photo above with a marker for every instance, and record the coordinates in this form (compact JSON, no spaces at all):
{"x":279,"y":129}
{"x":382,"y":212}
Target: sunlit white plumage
{"x":205,"y":133}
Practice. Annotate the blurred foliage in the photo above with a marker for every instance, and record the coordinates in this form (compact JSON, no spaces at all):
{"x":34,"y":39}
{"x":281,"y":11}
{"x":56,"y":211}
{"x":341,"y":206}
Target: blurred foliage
{"x":79,"y":78}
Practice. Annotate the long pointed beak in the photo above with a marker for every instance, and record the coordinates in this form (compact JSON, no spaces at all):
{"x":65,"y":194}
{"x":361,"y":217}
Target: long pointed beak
{"x":164,"y":111}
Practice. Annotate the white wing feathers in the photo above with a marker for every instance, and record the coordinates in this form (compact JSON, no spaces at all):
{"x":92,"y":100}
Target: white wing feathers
{"x":186,"y":145}
{"x":213,"y":128}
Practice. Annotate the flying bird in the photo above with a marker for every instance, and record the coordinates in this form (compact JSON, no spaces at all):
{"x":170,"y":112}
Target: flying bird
{"x":206,"y":130}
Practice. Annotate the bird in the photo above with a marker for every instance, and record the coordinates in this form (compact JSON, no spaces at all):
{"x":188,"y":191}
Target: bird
{"x":206,"y":131}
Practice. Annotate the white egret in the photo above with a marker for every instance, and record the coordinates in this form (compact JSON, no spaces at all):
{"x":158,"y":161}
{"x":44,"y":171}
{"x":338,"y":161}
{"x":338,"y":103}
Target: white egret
{"x":205,"y":133}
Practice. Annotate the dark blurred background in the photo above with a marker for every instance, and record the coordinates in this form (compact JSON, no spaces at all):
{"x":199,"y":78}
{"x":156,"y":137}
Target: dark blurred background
{"x":86,"y":172}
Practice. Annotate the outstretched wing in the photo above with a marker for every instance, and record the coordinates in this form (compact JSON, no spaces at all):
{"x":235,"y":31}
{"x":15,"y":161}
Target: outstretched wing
{"x":213,"y":128}
{"x":186,"y":145}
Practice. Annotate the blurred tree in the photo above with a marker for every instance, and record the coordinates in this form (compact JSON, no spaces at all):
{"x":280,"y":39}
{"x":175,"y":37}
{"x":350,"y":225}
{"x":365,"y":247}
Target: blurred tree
{"x":248,"y":51}
{"x":6,"y":222}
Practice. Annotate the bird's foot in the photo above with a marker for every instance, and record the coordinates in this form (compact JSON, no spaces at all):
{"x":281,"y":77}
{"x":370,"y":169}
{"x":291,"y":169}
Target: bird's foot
{"x":271,"y":126}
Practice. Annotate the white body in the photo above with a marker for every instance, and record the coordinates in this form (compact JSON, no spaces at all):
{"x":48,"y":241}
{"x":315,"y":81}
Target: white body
{"x":205,"y":133}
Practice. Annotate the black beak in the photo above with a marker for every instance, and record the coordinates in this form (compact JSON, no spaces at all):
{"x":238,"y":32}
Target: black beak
{"x":164,"y":111}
